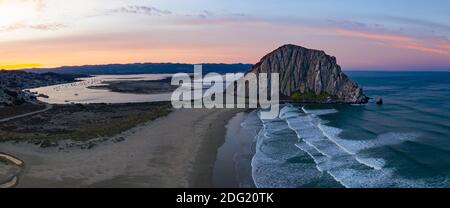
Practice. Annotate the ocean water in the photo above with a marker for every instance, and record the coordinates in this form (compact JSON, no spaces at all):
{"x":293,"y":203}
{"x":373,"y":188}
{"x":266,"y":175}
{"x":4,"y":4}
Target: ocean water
{"x":403,"y":143}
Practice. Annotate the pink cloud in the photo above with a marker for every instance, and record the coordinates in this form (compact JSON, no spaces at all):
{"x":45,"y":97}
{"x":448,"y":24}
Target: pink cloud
{"x":427,"y":45}
{"x":375,"y":36}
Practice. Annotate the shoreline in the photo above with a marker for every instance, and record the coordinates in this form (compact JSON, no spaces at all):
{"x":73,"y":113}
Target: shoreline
{"x":207,"y":153}
{"x":233,"y":168}
{"x":178,"y":150}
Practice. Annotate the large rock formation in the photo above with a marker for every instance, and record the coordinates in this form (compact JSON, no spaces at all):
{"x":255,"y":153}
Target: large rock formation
{"x":308,"y":75}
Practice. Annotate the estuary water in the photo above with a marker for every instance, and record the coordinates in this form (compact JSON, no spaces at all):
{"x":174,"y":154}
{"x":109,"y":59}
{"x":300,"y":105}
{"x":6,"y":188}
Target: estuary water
{"x":78,"y":92}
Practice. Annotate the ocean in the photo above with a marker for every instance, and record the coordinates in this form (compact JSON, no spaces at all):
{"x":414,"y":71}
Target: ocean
{"x":403,"y":143}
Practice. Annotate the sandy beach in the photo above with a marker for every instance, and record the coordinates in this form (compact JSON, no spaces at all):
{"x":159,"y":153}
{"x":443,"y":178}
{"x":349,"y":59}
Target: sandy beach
{"x":178,"y":150}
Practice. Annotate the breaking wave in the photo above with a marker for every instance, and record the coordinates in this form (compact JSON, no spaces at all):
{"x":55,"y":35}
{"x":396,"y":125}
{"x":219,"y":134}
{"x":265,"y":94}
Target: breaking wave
{"x":297,"y":149}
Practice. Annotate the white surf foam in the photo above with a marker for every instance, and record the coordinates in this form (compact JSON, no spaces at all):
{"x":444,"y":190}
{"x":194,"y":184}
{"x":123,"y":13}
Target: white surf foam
{"x":319,"y":112}
{"x":354,"y":146}
{"x":343,"y":159}
{"x":274,"y":148}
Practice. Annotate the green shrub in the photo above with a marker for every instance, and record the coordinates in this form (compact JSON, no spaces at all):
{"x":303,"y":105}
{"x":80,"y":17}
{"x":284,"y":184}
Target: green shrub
{"x":310,"y":96}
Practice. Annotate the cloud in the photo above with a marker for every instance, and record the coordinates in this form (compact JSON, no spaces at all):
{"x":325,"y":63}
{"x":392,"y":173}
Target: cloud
{"x":420,"y":23}
{"x":239,"y":14}
{"x":373,"y":36}
{"x":415,"y":46}
{"x":414,"y":34}
{"x":205,"y":14}
{"x":371,"y":33}
{"x":429,"y":45}
{"x":348,"y":24}
{"x":146,"y":10}
{"x":39,"y":4}
{"x":52,"y":26}
{"x":42,"y":27}
{"x":11,"y":27}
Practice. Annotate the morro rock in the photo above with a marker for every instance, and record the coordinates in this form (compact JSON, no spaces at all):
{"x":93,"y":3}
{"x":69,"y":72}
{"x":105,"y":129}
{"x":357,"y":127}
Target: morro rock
{"x":308,"y":75}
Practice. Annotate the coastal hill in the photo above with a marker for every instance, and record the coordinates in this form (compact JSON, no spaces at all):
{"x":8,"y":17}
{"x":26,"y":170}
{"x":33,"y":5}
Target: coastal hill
{"x":308,"y":75}
{"x":12,"y":84}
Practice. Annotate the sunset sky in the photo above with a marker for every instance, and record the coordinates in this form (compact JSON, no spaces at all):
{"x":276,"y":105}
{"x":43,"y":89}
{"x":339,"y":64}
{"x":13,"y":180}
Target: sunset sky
{"x":363,"y":35}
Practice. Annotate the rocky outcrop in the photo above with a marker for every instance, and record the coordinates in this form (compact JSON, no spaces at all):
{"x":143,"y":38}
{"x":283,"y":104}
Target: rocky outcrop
{"x":308,"y":75}
{"x":9,"y":97}
{"x":379,"y":101}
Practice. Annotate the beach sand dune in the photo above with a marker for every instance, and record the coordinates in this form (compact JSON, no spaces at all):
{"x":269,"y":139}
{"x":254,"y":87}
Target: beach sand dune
{"x":178,"y":150}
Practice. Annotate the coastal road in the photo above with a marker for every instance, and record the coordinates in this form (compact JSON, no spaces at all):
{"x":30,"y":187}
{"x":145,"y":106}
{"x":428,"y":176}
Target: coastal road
{"x":47,"y":107}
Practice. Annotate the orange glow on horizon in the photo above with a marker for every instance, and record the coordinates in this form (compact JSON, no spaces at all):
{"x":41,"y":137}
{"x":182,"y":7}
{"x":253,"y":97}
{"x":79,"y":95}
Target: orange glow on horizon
{"x":53,"y":53}
{"x":20,"y":66}
{"x":103,"y":56}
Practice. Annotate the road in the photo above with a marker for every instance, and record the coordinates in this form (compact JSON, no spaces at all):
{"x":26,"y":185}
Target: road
{"x":47,"y":107}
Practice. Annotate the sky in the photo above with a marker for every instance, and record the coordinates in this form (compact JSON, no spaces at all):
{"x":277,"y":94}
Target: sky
{"x":362,"y":34}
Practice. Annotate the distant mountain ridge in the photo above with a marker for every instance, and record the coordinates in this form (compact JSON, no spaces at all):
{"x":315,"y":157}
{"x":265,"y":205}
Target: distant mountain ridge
{"x":143,"y":68}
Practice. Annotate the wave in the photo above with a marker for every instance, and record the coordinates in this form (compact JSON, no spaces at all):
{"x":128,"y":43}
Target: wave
{"x":275,"y":163}
{"x":347,"y":161}
{"x":355,"y":146}
{"x":319,"y":112}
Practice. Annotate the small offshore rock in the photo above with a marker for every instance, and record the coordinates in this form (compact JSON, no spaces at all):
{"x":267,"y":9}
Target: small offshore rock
{"x":379,"y":101}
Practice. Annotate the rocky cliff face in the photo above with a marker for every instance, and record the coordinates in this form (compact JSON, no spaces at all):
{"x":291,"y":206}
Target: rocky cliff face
{"x":310,"y":76}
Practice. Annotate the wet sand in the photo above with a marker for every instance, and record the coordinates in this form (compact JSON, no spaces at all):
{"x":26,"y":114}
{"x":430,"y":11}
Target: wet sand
{"x":233,"y":167}
{"x":178,"y":150}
